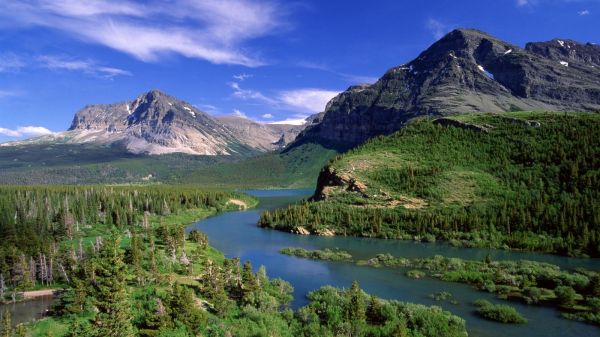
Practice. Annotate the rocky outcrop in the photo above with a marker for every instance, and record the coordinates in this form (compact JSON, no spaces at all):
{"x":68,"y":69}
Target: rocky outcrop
{"x":465,"y":71}
{"x":330,"y":180}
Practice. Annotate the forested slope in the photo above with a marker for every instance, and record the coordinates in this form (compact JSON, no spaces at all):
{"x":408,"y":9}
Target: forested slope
{"x":522,"y":180}
{"x":128,"y":268}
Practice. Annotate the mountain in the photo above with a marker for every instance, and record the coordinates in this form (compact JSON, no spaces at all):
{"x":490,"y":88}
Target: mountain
{"x":522,"y":180}
{"x":157,"y":123}
{"x":465,"y":71}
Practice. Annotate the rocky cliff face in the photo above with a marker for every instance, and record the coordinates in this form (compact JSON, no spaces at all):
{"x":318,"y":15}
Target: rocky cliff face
{"x":157,"y":123}
{"x":465,"y":71}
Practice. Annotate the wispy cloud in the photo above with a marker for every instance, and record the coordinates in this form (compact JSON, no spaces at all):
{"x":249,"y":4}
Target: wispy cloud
{"x":305,"y":100}
{"x":584,"y":12}
{"x":213,"y":30}
{"x":211,"y":109}
{"x":9,"y":93}
{"x":350,"y":77}
{"x":25,"y":131}
{"x":522,"y":3}
{"x":311,"y":100}
{"x":85,"y":66}
{"x":239,"y":113}
{"x":242,"y":77}
{"x":249,"y":94}
{"x":10,"y":62}
{"x":437,"y":28}
{"x":267,"y":116}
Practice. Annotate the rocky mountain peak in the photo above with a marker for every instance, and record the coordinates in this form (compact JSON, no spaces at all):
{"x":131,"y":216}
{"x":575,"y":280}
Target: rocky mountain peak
{"x":467,"y":70}
{"x":156,"y":123}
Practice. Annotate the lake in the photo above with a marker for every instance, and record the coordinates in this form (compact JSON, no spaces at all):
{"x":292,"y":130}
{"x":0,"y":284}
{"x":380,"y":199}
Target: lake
{"x":237,"y":234}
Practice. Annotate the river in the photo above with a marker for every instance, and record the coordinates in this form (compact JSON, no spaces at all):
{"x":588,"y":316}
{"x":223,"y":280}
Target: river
{"x":236,"y":234}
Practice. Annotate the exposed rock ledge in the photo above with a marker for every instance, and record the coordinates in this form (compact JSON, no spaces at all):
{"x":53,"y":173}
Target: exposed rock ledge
{"x":300,"y":230}
{"x":303,"y":231}
{"x":329,"y":179}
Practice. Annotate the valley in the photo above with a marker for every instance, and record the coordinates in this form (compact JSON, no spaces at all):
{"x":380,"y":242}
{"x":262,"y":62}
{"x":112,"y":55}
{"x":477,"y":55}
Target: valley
{"x":456,"y":195}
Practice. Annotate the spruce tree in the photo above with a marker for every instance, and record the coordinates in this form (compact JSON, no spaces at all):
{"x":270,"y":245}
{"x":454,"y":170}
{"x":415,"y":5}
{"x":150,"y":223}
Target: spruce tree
{"x":114,"y":313}
{"x":6,"y":328}
{"x":356,"y":310}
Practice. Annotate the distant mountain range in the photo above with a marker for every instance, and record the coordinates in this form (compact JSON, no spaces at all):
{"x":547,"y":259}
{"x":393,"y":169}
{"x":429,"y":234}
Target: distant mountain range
{"x":465,"y":71}
{"x":156,"y":123}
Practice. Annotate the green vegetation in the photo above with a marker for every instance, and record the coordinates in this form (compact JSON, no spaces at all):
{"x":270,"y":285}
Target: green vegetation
{"x":46,"y":230}
{"x":416,"y":274}
{"x":577,"y":292}
{"x":499,"y":312}
{"x":91,"y":164}
{"x":325,"y":254}
{"x":441,"y":296}
{"x":509,"y":185}
{"x":129,"y":269}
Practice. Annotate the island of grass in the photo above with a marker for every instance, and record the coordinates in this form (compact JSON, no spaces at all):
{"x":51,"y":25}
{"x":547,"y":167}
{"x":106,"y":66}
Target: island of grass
{"x":318,"y":254}
{"x":499,"y":312}
{"x":576,"y":293}
{"x":521,"y":180}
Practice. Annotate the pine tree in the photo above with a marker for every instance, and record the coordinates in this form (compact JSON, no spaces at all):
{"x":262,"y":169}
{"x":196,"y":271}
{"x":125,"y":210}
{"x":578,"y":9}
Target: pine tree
{"x":356,"y":304}
{"x":6,"y":327}
{"x":114,"y":314}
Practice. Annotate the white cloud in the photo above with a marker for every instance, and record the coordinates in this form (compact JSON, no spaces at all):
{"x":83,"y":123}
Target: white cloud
{"x":308,"y":100}
{"x":584,"y":12}
{"x":239,"y":113}
{"x":10,"y":62}
{"x":86,"y":66}
{"x":311,"y":100}
{"x":213,"y":30}
{"x":291,"y":121}
{"x":267,"y":116}
{"x":436,"y":28}
{"x":25,"y":131}
{"x":242,"y":77}
{"x":248,"y":94}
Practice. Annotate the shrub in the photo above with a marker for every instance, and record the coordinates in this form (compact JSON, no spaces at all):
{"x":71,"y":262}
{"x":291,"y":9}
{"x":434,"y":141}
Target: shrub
{"x":416,"y":274}
{"x":499,"y":312}
{"x":566,"y":295}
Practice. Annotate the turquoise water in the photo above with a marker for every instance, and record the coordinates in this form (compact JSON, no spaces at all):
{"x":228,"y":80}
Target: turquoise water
{"x":236,"y":234}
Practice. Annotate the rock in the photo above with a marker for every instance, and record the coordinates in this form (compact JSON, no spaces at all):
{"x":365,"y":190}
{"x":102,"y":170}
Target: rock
{"x":300,"y":230}
{"x":326,"y":232}
{"x":157,"y":123}
{"x":465,"y":71}
{"x":329,"y":180}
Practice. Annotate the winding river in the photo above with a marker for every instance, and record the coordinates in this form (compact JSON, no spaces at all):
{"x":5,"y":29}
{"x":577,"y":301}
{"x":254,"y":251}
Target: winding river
{"x":236,"y":234}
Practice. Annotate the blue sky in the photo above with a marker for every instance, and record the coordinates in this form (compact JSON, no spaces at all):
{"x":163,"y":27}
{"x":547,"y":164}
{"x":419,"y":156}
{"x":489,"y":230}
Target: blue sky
{"x":268,"y":60}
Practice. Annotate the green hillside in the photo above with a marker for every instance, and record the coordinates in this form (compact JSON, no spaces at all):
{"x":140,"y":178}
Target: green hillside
{"x":524,"y":180}
{"x":92,"y":164}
